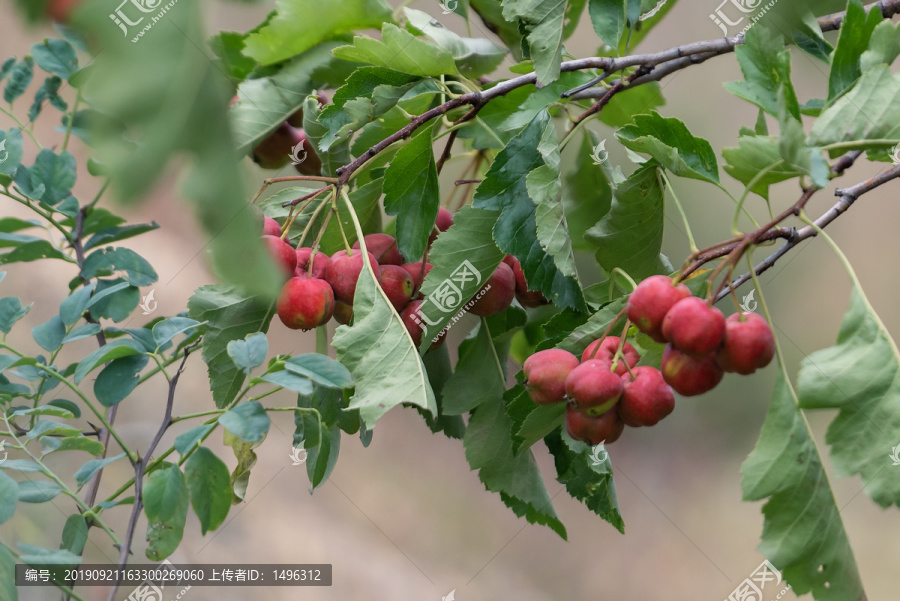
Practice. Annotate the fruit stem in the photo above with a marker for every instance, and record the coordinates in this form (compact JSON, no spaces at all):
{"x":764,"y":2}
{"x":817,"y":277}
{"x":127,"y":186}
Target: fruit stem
{"x":740,"y":203}
{"x":309,"y":225}
{"x":315,"y":246}
{"x":661,"y":176}
{"x":608,"y":330}
{"x":341,"y":226}
{"x":620,"y":351}
{"x":322,"y":340}
{"x":612,"y":280}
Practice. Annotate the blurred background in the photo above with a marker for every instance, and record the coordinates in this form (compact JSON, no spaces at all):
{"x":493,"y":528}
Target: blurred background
{"x":406,"y":518}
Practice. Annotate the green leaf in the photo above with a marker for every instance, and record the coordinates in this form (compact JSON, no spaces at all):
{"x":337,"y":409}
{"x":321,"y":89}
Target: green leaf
{"x":884,"y":47}
{"x":138,"y":272}
{"x":21,"y":465}
{"x":859,"y":377}
{"x":74,"y":306}
{"x":464,"y":257}
{"x":11,"y":311}
{"x":33,"y":251}
{"x":85,"y":331}
{"x":209,"y":484}
{"x":113,"y":350}
{"x":289,"y":380}
{"x":400,"y":51}
{"x":543,"y":20}
{"x":87,"y":471}
{"x":56,"y":172}
{"x":240,"y":477}
{"x":48,"y":427}
{"x":337,"y":155}
{"x":380,"y":355}
{"x":803,"y":534}
{"x":608,"y":19}
{"x":591,"y":484}
{"x":118,"y":379}
{"x":46,"y":410}
{"x":38,"y":491}
{"x":75,"y":534}
{"x":116,"y":233}
{"x":299,"y":26}
{"x":796,"y":153}
{"x":9,"y":497}
{"x":229,"y":47}
{"x":186,"y":441}
{"x":8,"y":591}
{"x":114,"y":299}
{"x":630,"y":235}
{"x":248,"y":421}
{"x":167,"y":329}
{"x":856,"y":31}
{"x":38,"y":555}
{"x":583,"y":335}
{"x":866,"y":112}
{"x":66,"y":406}
{"x":753,"y":155}
{"x":166,"y":505}
{"x":11,"y":150}
{"x":19,"y":79}
{"x":491,"y":14}
{"x":49,"y":335}
{"x":411,"y":192}
{"x":625,"y":105}
{"x":250,"y":352}
{"x":231,"y":314}
{"x":671,"y":144}
{"x":321,"y":369}
{"x":530,"y":422}
{"x":505,"y":189}
{"x":55,"y":56}
{"x":74,"y":443}
{"x":587,"y":193}
{"x":323,"y":457}
{"x":515,"y":477}
{"x":766,"y":66}
{"x":473,"y":56}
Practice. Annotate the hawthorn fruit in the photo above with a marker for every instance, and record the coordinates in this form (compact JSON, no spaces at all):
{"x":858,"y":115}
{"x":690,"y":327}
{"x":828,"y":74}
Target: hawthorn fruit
{"x":694,"y":326}
{"x":593,"y":388}
{"x":499,"y":292}
{"x":749,"y":344}
{"x":606,"y":428}
{"x":343,"y":273}
{"x":646,"y":399}
{"x":545,"y":375}
{"x":305,"y":303}
{"x":690,"y":376}
{"x":651,"y":300}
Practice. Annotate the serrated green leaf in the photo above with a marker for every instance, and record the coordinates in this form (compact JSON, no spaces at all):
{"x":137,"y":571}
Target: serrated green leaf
{"x":87,"y":471}
{"x":884,"y":46}
{"x":856,"y":31}
{"x":380,"y":355}
{"x":231,"y":314}
{"x":473,"y":56}
{"x":630,"y":235}
{"x":530,"y":422}
{"x":505,"y":189}
{"x":299,"y":26}
{"x":19,"y":79}
{"x":753,"y":155}
{"x":248,"y":421}
{"x":411,"y":192}
{"x":670,"y":143}
{"x":49,"y":90}
{"x":400,"y":51}
{"x":803,"y":534}
{"x":209,"y":483}
{"x":543,"y":21}
{"x":229,"y":47}
{"x":56,"y":173}
{"x":608,"y":19}
{"x":766,"y":66}
{"x":515,"y":477}
{"x":166,"y":501}
{"x":583,"y":335}
{"x":337,"y":155}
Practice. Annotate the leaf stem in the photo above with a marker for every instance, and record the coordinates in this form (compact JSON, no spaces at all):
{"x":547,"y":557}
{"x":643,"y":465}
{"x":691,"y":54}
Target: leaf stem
{"x":661,"y":174}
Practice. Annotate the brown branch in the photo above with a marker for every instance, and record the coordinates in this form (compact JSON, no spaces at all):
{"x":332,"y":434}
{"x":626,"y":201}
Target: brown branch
{"x":445,"y":156}
{"x":141,"y":464}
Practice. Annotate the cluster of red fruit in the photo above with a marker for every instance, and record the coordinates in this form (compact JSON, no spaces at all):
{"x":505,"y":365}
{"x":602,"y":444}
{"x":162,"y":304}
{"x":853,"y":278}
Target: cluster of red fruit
{"x":605,"y":391}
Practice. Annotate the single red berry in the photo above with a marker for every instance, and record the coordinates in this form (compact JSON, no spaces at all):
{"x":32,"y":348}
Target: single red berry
{"x":651,"y":300}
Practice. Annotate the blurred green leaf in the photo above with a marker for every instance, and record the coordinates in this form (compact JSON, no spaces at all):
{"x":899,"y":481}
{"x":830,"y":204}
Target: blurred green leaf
{"x":473,"y":56}
{"x":49,"y":335}
{"x":87,"y":471}
{"x":74,"y":305}
{"x":75,"y":534}
{"x":38,"y":491}
{"x":9,"y":497}
{"x":250,"y":352}
{"x":166,"y":505}
{"x":248,"y":421}
{"x":856,"y":31}
{"x":766,"y":66}
{"x":19,"y":79}
{"x":753,"y":155}
{"x":138,"y":271}
{"x":11,"y":150}
{"x":209,"y":483}
{"x":884,"y":46}
{"x":11,"y":311}
{"x":321,"y":369}
{"x":401,"y":51}
{"x":587,"y":193}
{"x":55,"y":56}
{"x":608,"y":19}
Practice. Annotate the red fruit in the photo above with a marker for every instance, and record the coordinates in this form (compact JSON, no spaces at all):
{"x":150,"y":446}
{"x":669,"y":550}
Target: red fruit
{"x":383,"y":247}
{"x":343,"y":312}
{"x":651,"y":300}
{"x":397,"y":285}
{"x":545,"y":375}
{"x":646,"y":399}
{"x":688,"y":375}
{"x":305,"y":303}
{"x":749,"y":344}
{"x":274,"y":152}
{"x":415,"y":270}
{"x":527,"y":298}
{"x":593,"y":388}
{"x":343,"y":273}
{"x":443,"y":222}
{"x":694,"y":327}
{"x":60,"y":10}
{"x":497,"y":293}
{"x":416,"y":326}
{"x":283,"y":253}
{"x":271,"y":227}
{"x":607,"y":351}
{"x":594,"y":430}
{"x":319,"y":267}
